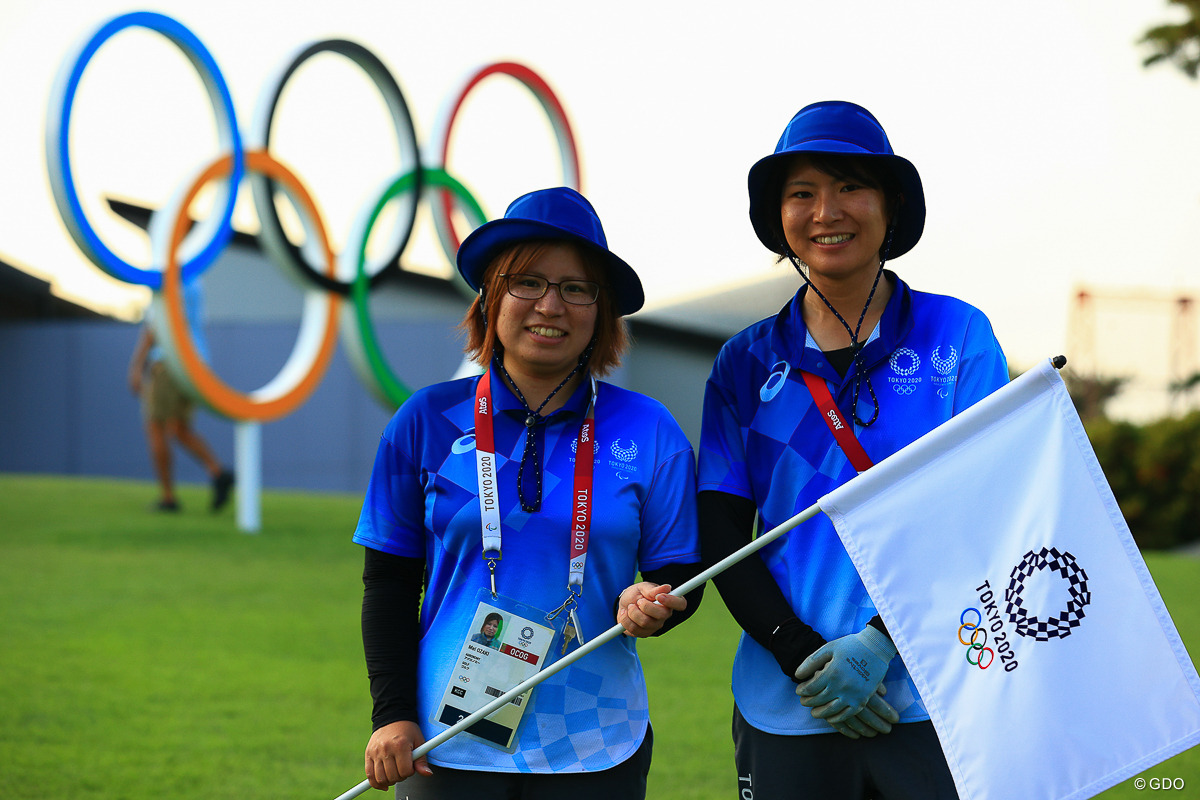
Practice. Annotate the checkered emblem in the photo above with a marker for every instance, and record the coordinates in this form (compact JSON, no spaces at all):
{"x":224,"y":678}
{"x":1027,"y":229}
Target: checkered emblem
{"x":1064,"y":622}
{"x":944,"y":364}
{"x":905,"y":361}
{"x":624,"y":453}
{"x":575,"y":446}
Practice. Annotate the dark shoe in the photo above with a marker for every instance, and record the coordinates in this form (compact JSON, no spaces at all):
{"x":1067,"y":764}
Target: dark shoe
{"x":170,"y":506}
{"x":222,"y":485}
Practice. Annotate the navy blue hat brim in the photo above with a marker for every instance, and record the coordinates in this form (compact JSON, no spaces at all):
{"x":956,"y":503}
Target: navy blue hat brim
{"x":491,"y":239}
{"x":765,"y":177}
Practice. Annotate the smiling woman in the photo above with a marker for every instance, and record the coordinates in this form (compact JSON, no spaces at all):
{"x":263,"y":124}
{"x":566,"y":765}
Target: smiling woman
{"x":579,"y":484}
{"x":835,"y":226}
{"x":853,"y":368}
{"x":543,"y":336}
{"x":522,"y":272}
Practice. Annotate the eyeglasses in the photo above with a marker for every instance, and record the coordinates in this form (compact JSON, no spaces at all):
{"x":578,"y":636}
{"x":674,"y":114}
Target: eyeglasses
{"x":533,"y":287}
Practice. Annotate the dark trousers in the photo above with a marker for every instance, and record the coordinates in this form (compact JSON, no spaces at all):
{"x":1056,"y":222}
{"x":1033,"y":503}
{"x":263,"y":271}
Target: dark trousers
{"x":906,"y":764}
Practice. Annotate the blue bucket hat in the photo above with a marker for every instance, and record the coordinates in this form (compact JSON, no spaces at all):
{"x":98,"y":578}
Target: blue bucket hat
{"x":835,"y":127}
{"x":561,"y":214}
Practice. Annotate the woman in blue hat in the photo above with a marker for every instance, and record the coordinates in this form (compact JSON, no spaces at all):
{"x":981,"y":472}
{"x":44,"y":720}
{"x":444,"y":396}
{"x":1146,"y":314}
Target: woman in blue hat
{"x":533,"y":494}
{"x":853,"y":368}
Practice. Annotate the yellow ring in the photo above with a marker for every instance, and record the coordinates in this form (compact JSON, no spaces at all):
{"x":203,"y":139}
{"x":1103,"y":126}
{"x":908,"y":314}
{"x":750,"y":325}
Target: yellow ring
{"x":314,"y":348}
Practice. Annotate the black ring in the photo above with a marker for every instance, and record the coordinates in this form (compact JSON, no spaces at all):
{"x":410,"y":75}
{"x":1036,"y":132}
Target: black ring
{"x":265,"y":189}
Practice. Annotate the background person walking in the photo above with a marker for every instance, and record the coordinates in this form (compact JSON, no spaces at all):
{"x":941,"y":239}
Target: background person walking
{"x":167,"y":410}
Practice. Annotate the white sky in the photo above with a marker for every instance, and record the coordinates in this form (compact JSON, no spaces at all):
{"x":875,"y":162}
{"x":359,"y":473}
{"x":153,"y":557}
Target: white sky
{"x":1050,"y":157}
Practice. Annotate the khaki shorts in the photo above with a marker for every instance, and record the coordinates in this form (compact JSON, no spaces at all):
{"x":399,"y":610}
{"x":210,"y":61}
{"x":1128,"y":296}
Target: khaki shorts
{"x":162,"y":399}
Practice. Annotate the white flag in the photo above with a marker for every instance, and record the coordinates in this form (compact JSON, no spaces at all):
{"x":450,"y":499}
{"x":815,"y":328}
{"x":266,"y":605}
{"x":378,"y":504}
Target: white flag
{"x":999,"y":530}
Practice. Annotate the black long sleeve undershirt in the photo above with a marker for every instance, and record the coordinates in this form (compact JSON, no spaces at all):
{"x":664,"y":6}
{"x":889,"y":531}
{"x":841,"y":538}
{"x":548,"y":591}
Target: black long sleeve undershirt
{"x":390,"y":632}
{"x":391,"y":627}
{"x":748,"y":588}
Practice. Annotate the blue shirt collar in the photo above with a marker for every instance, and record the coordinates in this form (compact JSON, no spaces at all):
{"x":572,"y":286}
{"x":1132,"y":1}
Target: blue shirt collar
{"x":789,"y":333}
{"x":506,"y":400}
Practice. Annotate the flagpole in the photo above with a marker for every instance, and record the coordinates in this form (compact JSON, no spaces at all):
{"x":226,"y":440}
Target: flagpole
{"x":607,"y":636}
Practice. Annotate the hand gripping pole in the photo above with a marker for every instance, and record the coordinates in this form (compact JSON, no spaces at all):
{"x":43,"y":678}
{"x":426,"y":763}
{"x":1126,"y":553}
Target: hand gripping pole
{"x":607,"y":636}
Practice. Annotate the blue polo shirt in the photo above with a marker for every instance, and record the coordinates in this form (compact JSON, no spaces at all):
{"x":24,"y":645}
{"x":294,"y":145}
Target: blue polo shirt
{"x":423,"y":502}
{"x":763,"y":438}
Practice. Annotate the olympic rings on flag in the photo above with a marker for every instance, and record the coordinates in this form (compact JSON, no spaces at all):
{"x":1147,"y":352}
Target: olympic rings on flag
{"x":179,"y":258}
{"x":971,"y":644}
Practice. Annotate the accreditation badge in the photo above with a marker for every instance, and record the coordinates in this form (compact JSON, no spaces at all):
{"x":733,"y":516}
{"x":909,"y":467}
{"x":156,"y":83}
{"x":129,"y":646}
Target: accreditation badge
{"x":506,"y":643}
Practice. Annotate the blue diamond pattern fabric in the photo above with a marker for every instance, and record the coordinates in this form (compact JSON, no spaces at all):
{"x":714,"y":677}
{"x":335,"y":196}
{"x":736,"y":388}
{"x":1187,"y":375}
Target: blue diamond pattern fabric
{"x":422,"y":501}
{"x":763,"y":438}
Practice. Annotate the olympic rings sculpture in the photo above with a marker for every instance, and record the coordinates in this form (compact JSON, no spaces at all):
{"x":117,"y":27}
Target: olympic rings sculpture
{"x":179,"y":256}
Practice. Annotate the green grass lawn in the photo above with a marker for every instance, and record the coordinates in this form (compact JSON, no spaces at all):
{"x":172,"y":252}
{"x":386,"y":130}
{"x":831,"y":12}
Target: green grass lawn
{"x":152,"y":656}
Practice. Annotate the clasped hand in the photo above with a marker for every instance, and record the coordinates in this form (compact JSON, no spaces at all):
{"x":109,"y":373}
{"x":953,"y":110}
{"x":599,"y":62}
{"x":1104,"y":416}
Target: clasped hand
{"x":842,"y":683}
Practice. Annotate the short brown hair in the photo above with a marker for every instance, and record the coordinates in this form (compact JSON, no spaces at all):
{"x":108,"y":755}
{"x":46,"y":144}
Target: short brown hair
{"x":611,"y":337}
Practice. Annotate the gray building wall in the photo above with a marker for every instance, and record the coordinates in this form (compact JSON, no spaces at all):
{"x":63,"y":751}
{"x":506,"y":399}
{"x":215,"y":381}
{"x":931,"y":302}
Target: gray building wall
{"x":65,"y":406}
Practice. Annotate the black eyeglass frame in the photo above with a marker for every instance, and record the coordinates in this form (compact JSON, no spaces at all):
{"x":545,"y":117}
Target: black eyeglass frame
{"x":508,"y":285}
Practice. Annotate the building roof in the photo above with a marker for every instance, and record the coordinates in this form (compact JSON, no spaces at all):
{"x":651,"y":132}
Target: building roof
{"x":24,"y":296}
{"x":705,"y":319}
{"x":722,"y":311}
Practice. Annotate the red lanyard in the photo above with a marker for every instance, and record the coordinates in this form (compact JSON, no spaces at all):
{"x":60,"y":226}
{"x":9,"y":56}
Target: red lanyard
{"x":839,"y":426}
{"x":489,"y":505}
{"x":581,"y":504}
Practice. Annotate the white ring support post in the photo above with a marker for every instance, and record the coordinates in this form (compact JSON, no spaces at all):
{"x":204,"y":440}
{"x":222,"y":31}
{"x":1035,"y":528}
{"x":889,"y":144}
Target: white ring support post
{"x":247,"y":438}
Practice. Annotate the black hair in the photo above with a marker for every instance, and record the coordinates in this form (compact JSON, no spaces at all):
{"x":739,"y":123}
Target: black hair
{"x":873,"y":173}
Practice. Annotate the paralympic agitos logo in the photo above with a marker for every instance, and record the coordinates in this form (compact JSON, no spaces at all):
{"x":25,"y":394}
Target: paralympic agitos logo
{"x":332,"y":277}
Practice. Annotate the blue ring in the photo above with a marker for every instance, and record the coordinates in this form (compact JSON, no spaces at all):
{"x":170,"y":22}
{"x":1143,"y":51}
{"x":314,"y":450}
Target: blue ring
{"x":59,"y":159}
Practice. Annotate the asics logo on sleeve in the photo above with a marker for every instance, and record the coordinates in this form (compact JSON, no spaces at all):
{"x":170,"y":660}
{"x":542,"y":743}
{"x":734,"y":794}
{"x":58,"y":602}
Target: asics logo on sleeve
{"x":464,"y":444}
{"x":775,"y":381}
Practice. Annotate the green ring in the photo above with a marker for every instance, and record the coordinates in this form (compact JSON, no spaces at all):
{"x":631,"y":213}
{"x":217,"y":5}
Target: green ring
{"x":392,"y":387}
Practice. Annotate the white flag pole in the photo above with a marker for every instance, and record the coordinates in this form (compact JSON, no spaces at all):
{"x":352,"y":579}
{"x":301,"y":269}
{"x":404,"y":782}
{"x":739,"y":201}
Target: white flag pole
{"x":607,"y":636}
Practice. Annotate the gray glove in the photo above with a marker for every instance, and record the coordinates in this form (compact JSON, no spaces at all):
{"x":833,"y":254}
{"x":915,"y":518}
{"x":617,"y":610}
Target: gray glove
{"x":876,"y":717}
{"x":840,"y":682}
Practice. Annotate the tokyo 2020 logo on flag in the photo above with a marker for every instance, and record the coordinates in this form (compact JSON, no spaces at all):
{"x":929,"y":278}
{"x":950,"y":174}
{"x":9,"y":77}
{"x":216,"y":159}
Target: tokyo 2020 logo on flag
{"x":1027,"y":557}
{"x":1057,"y":625}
